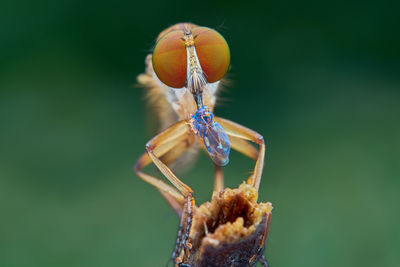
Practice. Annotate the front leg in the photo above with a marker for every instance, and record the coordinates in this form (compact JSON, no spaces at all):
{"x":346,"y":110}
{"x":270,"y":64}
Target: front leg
{"x":239,"y":134}
{"x":163,"y":143}
{"x":182,"y":201}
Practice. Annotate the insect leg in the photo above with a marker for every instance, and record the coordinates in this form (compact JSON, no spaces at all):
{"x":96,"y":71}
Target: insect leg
{"x":170,"y":194}
{"x":244,"y":147}
{"x":264,"y":261}
{"x":178,"y":241}
{"x":218,"y":179}
{"x":237,"y":131}
{"x":182,"y":245}
{"x":162,"y":144}
{"x":183,"y":188}
{"x":157,"y":147}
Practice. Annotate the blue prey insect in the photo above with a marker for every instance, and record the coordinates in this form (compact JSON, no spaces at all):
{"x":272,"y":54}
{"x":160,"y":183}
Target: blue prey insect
{"x":214,"y":137}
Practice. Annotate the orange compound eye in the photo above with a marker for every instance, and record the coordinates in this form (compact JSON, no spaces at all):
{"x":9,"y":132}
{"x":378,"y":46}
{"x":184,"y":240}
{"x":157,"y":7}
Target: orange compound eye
{"x":213,"y":53}
{"x":169,"y":59}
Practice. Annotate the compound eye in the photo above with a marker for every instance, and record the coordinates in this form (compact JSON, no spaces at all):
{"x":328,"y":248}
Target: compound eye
{"x":169,"y":59}
{"x":213,"y":53}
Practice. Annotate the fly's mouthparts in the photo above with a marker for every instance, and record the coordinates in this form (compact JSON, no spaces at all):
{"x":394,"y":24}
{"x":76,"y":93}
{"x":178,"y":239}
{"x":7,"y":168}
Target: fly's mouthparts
{"x":195,"y":84}
{"x":196,"y":80}
{"x":198,"y":97}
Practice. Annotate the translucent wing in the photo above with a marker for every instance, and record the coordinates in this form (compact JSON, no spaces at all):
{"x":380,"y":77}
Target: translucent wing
{"x":217,"y":143}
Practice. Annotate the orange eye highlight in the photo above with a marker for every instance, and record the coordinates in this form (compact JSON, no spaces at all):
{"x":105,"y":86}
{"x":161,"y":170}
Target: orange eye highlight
{"x":213,"y":53}
{"x":169,"y":59}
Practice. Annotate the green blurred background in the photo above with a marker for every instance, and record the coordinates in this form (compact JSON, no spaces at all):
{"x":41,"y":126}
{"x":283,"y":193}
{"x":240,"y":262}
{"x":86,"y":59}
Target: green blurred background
{"x":320,"y":80}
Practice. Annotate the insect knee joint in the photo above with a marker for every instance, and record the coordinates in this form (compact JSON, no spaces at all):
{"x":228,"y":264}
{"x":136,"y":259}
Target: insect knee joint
{"x":149,"y":148}
{"x":260,"y":140}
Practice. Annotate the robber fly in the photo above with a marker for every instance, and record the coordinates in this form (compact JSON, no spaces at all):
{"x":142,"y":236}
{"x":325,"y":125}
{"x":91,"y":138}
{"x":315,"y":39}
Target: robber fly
{"x":182,"y":78}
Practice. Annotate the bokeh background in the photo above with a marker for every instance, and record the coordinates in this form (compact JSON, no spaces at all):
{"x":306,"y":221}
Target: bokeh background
{"x":320,"y":80}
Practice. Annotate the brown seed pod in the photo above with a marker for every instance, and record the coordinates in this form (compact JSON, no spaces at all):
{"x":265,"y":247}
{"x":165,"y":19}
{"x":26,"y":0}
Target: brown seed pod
{"x":228,"y":231}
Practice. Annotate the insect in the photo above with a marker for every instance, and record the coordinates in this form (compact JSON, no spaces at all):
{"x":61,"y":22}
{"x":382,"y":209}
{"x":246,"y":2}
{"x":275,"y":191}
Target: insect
{"x":182,"y":78}
{"x":214,"y":137}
